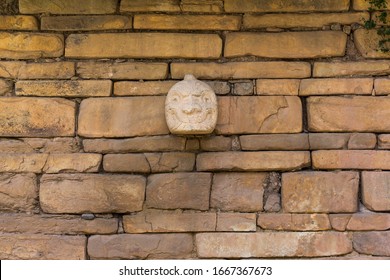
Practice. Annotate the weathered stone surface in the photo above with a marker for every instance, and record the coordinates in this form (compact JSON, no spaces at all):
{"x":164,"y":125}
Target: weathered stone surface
{"x":242,"y":70}
{"x":77,"y":23}
{"x":382,"y":86}
{"x":259,"y":114}
{"x":366,"y":41}
{"x":360,"y":141}
{"x":47,"y":70}
{"x":355,"y":114}
{"x":36,"y":117}
{"x":75,"y":88}
{"x":384,"y":141}
{"x":40,"y":145}
{"x":5,"y":87}
{"x":82,"y":193}
{"x":69,"y":163}
{"x":141,"y":246}
{"x":351,"y":159}
{"x":277,"y":87}
{"x":272,"y":204}
{"x":202,"y":6}
{"x":122,"y":117}
{"x":18,"y":192}
{"x":369,"y":221}
{"x":277,"y":142}
{"x":67,"y":6}
{"x":361,"y":5}
{"x":142,"y":88}
{"x":376,"y":190}
{"x":355,"y":68}
{"x":170,"y":222}
{"x":179,"y":190}
{"x":150,"y":6}
{"x":372,"y":243}
{"x":252,"y":161}
{"x":293,"y":222}
{"x":284,"y":244}
{"x":49,"y":224}
{"x":236,"y":222}
{"x":328,"y":192}
{"x":126,"y":163}
{"x":328,"y":141}
{"x":154,"y":45}
{"x":17,"y":162}
{"x":243,"y":88}
{"x":241,"y":192}
{"x":42,"y":247}
{"x":339,"y":221}
{"x":122,"y":70}
{"x":312,"y":44}
{"x":18,"y":23}
{"x":336,"y":86}
{"x":215,"y":143}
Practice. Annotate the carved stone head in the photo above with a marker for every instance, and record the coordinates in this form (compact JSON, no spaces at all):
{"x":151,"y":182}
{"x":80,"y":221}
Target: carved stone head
{"x":191,"y":107}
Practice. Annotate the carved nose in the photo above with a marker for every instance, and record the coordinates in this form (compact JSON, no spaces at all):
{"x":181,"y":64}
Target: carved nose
{"x":192,"y":108}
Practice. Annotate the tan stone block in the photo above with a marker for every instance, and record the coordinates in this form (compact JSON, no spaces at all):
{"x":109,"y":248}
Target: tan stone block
{"x":74,"y":88}
{"x":50,"y":224}
{"x":215,"y":143}
{"x":17,"y":162}
{"x":141,"y":246}
{"x":5,"y":87}
{"x":47,"y":70}
{"x":143,"y":88}
{"x":236,"y":222}
{"x":202,"y":6}
{"x":369,"y":221}
{"x":360,"y":5}
{"x":361,"y":141}
{"x":276,"y":142}
{"x":77,"y":23}
{"x":42,"y":247}
{"x":82,"y":193}
{"x":376,"y":190}
{"x":382,"y":86}
{"x":252,"y":161}
{"x":154,"y":45}
{"x":366,"y":41}
{"x":241,"y":70}
{"x":170,"y":162}
{"x":311,"y":44}
{"x":274,"y":114}
{"x":122,"y":117}
{"x":18,"y":192}
{"x":284,"y":244}
{"x":384,"y":141}
{"x":293,"y":222}
{"x":339,"y":221}
{"x":353,"y":68}
{"x":150,"y":6}
{"x":277,"y":87}
{"x":69,"y":163}
{"x":170,"y":222}
{"x":179,"y":190}
{"x":352,"y":159}
{"x":42,"y":145}
{"x":187,"y":22}
{"x":336,"y":86}
{"x":243,"y":88}
{"x":328,"y":141}
{"x":10,"y":69}
{"x":372,"y":243}
{"x":18,"y":23}
{"x":67,"y":6}
{"x":126,"y":163}
{"x":327,"y":192}
{"x":30,"y":45}
{"x":122,"y":70}
{"x":36,"y":117}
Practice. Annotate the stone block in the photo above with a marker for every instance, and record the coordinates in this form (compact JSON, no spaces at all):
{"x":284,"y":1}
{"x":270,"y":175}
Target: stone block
{"x":236,"y":222}
{"x":372,"y":243}
{"x":293,"y":222}
{"x":353,"y":68}
{"x":18,"y":23}
{"x":376,"y":190}
{"x":336,"y":86}
{"x":277,"y":87}
{"x":384,"y":141}
{"x":33,"y":70}
{"x":276,"y":142}
{"x":67,"y":6}
{"x":150,"y":6}
{"x":366,"y":41}
{"x":69,"y":163}
{"x":216,"y":143}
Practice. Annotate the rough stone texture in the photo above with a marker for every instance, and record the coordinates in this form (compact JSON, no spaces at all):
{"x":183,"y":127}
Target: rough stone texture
{"x":122,"y":117}
{"x":47,"y":70}
{"x":42,"y":145}
{"x":336,"y":86}
{"x":18,"y":162}
{"x":272,"y":204}
{"x":329,"y":192}
{"x":354,"y":114}
{"x":67,"y":6}
{"x":149,"y":6}
{"x":289,"y":142}
{"x":284,"y":244}
{"x":277,"y":87}
{"x":259,"y":114}
{"x":384,"y":141}
{"x":82,"y":193}
{"x":42,"y":247}
{"x":376,"y":190}
{"x":142,"y":88}
{"x":243,"y":88}
{"x":369,"y":221}
{"x":366,"y":41}
{"x":179,"y":190}
{"x":382,"y":86}
{"x":242,"y":70}
{"x":170,"y":222}
{"x":77,"y":23}
{"x":293,"y":222}
{"x":339,"y":221}
{"x":372,"y":243}
{"x":5,"y":87}
{"x":203,"y":6}
{"x":328,"y":141}
{"x":126,"y":163}
{"x":312,"y":44}
{"x":18,"y":23}
{"x":360,"y":5}
{"x":240,"y":192}
{"x":9,"y":7}
{"x":141,"y":246}
{"x":252,"y":161}
{"x":359,"y":141}
{"x":353,"y":68}
{"x":214,"y":143}
{"x":154,"y":45}
{"x":70,"y":163}
{"x":33,"y":117}
{"x":18,"y":192}
{"x":236,"y":222}
{"x":75,"y":88}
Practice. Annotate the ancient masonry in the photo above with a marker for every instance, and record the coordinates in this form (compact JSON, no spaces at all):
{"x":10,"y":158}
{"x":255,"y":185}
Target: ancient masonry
{"x":298,"y":165}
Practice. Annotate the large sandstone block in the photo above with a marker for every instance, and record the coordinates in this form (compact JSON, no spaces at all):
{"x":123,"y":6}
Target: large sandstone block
{"x":76,"y":162}
{"x":293,"y":222}
{"x":142,"y":88}
{"x":382,"y":86}
{"x":143,"y":45}
{"x":312,"y":44}
{"x":18,"y":23}
{"x":372,"y":243}
{"x":272,"y":244}
{"x":328,"y":192}
{"x":236,"y":222}
{"x":355,"y":68}
{"x":18,"y":162}
{"x":122,"y":117}
{"x":277,"y":142}
{"x":36,"y":117}
{"x":277,"y":86}
{"x":41,"y":145}
{"x":352,"y":141}
{"x":82,"y":193}
{"x":366,"y":41}
{"x":376,"y":190}
{"x":150,"y":6}
{"x":67,"y":6}
{"x":77,"y":23}
{"x":336,"y":86}
{"x":369,"y":221}
{"x":33,"y":70}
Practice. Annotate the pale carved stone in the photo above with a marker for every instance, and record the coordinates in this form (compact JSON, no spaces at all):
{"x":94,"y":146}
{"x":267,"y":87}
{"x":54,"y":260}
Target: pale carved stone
{"x":191,"y":107}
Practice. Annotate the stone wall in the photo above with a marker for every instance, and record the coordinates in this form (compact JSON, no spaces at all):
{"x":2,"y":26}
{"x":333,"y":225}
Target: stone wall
{"x":297,"y":167}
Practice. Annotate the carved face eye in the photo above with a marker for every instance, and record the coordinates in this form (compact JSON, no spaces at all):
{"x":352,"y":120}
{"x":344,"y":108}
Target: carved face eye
{"x":206,"y":98}
{"x":175,"y":97}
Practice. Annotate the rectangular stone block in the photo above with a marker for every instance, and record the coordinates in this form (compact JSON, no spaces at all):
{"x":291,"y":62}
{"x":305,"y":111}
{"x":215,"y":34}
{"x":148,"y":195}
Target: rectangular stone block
{"x":236,"y":222}
{"x":310,"y":44}
{"x":353,"y":114}
{"x":382,"y":86}
{"x":284,"y":244}
{"x":36,"y":117}
{"x":30,"y":45}
{"x":366,"y":42}
{"x":326,"y":192}
{"x":76,"y":23}
{"x":376,"y":190}
{"x":293,"y":222}
{"x":288,"y":142}
{"x":353,"y":68}
{"x":74,"y":88}
{"x":361,"y":5}
{"x":277,"y":86}
{"x":179,"y":190}
{"x":252,"y":161}
{"x":369,"y":221}
{"x":242,"y":70}
{"x":153,"y":45}
{"x":18,"y":23}
{"x":216,"y":143}
{"x":384,"y":141}
{"x":5,"y":87}
{"x":150,"y":6}
{"x":40,"y":145}
{"x":17,"y":162}
{"x":69,"y":163}
{"x":67,"y":6}
{"x":336,"y":86}
{"x":142,"y":88}
{"x":328,"y":141}
{"x":372,"y":243}
{"x":202,"y":6}
{"x":30,"y":71}
{"x":362,"y":141}
{"x":82,"y":193}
